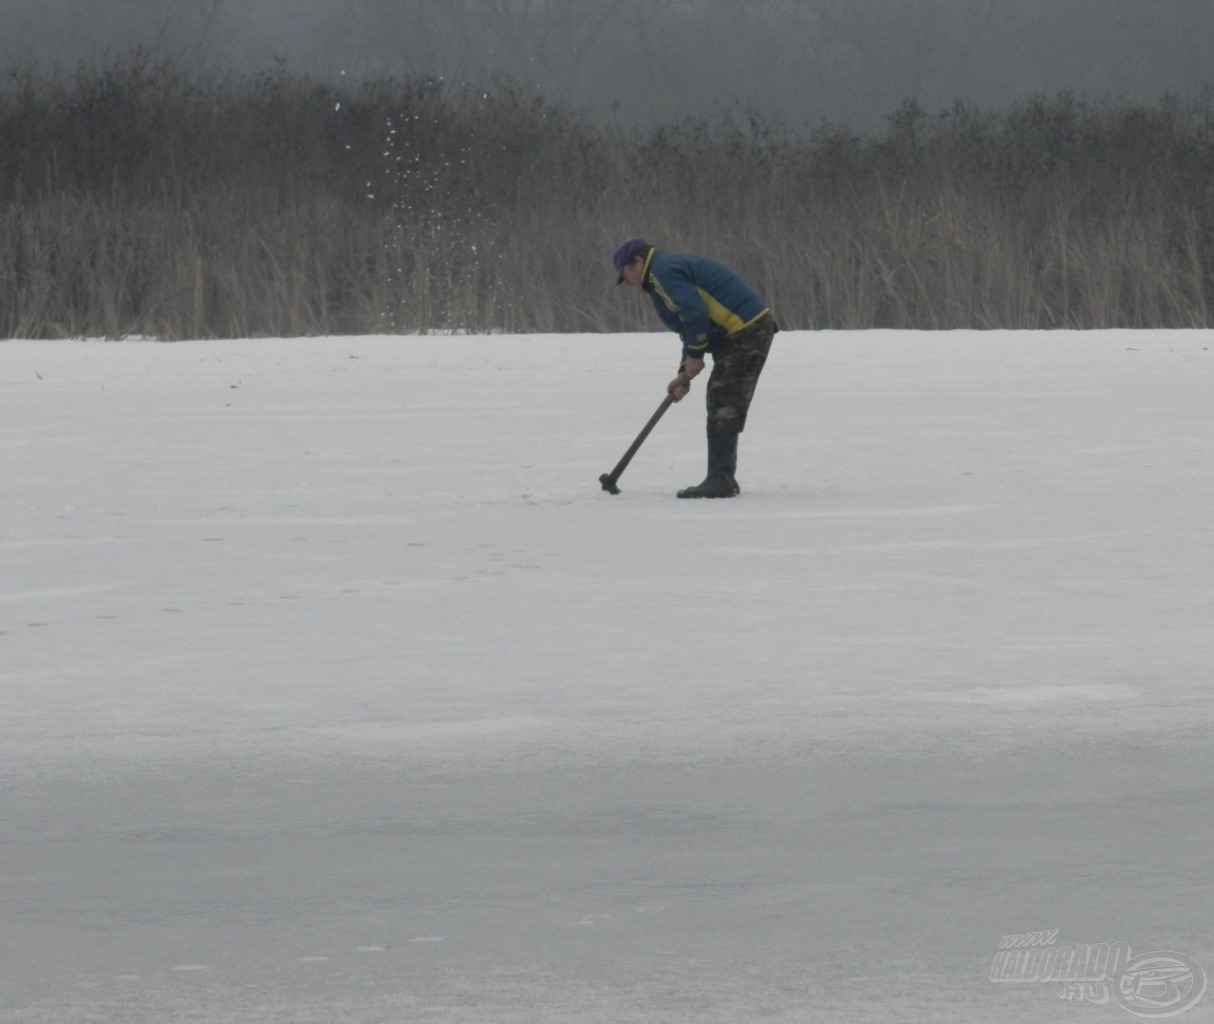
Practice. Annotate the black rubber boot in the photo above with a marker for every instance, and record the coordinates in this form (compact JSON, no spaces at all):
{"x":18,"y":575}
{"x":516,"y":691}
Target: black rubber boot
{"x":729,"y":445}
{"x":722,"y":464}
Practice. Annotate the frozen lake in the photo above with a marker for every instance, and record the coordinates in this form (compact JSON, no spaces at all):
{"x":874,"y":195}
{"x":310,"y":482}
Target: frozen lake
{"x":333,"y":688}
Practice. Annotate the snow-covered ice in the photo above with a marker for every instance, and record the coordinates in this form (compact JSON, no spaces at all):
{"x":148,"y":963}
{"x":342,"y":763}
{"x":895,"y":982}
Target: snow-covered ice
{"x":334,"y":688}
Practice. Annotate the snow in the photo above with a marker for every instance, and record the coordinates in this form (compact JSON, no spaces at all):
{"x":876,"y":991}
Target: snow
{"x":336,"y":689}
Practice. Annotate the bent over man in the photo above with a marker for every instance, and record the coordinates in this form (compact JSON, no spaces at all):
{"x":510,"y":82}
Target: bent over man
{"x":714,"y":312}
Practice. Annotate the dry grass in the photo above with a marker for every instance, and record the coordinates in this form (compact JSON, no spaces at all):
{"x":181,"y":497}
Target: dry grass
{"x":136,"y":201}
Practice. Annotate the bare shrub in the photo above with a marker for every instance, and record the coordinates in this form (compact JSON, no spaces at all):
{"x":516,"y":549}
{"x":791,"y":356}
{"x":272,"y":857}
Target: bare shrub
{"x":137,"y":200}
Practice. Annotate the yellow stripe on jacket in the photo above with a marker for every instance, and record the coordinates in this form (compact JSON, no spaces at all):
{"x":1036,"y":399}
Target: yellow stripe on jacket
{"x":726,"y":317}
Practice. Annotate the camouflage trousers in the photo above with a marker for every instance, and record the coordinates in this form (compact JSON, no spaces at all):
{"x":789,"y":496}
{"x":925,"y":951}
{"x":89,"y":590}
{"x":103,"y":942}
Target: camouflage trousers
{"x":736,"y":366}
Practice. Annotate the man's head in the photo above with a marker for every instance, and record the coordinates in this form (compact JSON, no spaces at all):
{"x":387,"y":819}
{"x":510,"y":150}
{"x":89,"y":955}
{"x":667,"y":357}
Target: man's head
{"x":629,"y":260}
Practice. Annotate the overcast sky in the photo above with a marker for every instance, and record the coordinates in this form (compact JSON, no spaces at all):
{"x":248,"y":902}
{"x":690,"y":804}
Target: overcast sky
{"x":849,"y":62}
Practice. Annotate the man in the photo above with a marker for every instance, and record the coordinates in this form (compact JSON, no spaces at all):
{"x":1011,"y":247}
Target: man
{"x":715,"y":312}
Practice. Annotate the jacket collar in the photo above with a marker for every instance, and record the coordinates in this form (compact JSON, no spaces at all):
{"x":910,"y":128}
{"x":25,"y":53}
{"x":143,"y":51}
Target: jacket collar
{"x":645,"y":282}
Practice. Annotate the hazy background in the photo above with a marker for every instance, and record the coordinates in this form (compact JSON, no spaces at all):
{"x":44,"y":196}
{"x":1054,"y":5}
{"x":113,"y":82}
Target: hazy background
{"x":208,"y":168}
{"x":849,"y":62}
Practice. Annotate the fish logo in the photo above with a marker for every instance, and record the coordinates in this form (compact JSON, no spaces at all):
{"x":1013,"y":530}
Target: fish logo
{"x":1160,"y":985}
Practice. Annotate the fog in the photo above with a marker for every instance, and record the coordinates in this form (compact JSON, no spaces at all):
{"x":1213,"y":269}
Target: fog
{"x":800,"y":62}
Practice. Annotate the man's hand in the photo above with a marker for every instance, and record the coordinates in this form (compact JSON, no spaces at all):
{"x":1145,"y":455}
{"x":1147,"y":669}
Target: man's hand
{"x":678,"y":388}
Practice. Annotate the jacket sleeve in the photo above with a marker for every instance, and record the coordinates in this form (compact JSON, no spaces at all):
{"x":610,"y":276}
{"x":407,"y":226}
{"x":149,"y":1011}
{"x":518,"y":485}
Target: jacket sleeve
{"x":692,"y":322}
{"x":671,"y":320}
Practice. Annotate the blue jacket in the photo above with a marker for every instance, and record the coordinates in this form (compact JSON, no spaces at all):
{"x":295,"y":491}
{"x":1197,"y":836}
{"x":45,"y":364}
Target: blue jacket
{"x":699,"y":299}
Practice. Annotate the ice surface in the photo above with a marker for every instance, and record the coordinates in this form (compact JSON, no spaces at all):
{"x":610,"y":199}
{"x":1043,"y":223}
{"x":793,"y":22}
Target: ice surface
{"x":334,"y":688}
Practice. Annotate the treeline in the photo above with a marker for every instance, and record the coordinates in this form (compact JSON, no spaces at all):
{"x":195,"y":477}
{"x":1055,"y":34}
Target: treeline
{"x":138,"y":200}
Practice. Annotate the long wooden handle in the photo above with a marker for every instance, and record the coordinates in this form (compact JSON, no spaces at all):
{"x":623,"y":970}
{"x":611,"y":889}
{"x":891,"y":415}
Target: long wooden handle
{"x":667,"y":402}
